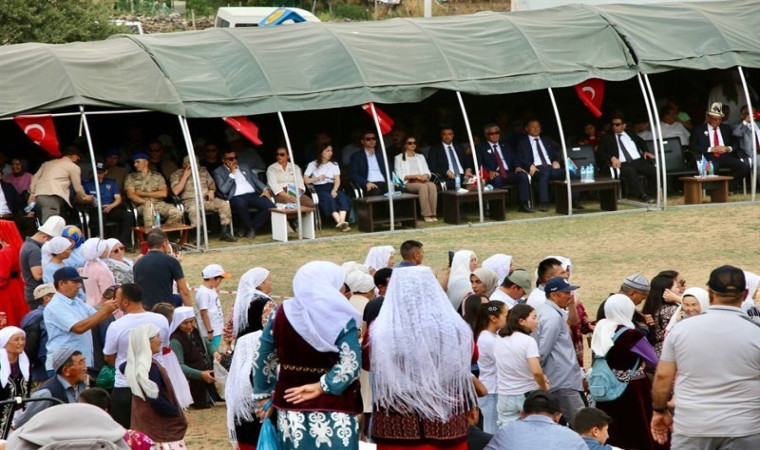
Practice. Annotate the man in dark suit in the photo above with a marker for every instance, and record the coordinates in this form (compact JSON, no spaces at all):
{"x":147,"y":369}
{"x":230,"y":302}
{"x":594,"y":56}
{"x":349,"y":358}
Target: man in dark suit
{"x":501,"y":165}
{"x":628,"y":153}
{"x":541,"y":157}
{"x":367,"y":168}
{"x":713,"y":140}
{"x":448,"y":160}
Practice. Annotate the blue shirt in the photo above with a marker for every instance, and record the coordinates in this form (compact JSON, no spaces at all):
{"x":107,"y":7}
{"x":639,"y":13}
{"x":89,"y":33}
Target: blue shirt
{"x":28,"y":323}
{"x":536,"y":432}
{"x":75,"y":259}
{"x":108,"y":189}
{"x":593,"y":444}
{"x":60,"y":315}
{"x":558,"y":358}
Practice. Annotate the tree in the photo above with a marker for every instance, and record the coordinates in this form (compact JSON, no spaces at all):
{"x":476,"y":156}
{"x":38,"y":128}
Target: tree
{"x":55,"y":21}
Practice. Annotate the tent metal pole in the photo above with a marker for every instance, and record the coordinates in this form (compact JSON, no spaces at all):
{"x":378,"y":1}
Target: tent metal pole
{"x":564,"y":154}
{"x":99,"y":203}
{"x":200,"y":209}
{"x":474,"y":155}
{"x":295,"y":177}
{"x":651,"y":120}
{"x":663,"y":180}
{"x":388,"y":177}
{"x":90,"y":113}
{"x":751,"y":110}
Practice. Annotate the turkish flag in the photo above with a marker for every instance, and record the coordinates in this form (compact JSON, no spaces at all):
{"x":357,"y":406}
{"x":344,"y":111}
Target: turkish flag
{"x":41,"y":131}
{"x":591,"y":93}
{"x":386,"y":123}
{"x":245,"y":127}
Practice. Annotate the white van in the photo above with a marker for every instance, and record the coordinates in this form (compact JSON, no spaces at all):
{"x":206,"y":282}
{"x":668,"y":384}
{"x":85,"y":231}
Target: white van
{"x":242,"y":16}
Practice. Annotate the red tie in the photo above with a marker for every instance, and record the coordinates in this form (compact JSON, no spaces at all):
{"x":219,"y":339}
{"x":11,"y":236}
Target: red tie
{"x":716,"y":142}
{"x":502,"y":169}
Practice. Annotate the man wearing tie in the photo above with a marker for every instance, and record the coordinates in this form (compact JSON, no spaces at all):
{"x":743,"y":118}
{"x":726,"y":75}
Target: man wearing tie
{"x":540,"y":156}
{"x":713,"y":140}
{"x":448,"y":160}
{"x":628,"y":153}
{"x":500,"y":163}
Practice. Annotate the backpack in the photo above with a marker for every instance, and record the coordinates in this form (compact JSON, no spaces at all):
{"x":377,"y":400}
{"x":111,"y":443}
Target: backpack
{"x":603,"y":385}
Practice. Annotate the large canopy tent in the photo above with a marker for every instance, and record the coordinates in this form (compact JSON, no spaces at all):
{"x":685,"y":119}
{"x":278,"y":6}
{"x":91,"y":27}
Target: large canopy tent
{"x":313,"y":66}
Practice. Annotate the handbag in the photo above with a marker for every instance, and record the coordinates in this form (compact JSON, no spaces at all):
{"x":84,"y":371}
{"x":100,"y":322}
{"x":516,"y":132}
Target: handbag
{"x":603,"y":385}
{"x":268,"y":439}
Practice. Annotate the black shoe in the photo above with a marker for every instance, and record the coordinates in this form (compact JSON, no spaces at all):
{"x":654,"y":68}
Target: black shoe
{"x":250,"y":234}
{"x":525,"y":207}
{"x":645,"y":198}
{"x":543,"y":207}
{"x":227,"y":237}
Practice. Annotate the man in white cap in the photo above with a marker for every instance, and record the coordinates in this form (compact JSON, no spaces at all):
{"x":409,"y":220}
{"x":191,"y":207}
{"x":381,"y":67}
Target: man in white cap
{"x":30,"y":256}
{"x":713,"y":140}
{"x":635,"y":287}
{"x":33,"y":325}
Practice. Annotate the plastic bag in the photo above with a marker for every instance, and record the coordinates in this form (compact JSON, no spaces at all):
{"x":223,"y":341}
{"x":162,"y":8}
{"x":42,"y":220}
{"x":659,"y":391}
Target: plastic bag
{"x":268,"y":439}
{"x":220,"y":377}
{"x":106,"y":377}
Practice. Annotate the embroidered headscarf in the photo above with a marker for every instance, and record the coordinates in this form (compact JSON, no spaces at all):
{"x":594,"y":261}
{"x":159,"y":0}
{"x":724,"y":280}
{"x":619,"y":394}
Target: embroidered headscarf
{"x":378,"y":257}
{"x":5,"y":365}
{"x":500,"y":264}
{"x":618,"y":310}
{"x":248,"y":288}
{"x":139,"y":360}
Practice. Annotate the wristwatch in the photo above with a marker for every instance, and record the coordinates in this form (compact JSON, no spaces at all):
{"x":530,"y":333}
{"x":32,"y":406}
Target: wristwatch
{"x":662,"y":410}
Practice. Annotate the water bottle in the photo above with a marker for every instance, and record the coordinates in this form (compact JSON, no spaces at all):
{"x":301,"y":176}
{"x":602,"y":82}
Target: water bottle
{"x":457,"y":183}
{"x":710,"y":169}
{"x":591,"y":173}
{"x":584,"y":174}
{"x":156,"y":219}
{"x":30,"y":207}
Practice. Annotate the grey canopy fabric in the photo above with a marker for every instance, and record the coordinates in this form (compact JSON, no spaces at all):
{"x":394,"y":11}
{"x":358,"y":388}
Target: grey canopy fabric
{"x":310,"y":66}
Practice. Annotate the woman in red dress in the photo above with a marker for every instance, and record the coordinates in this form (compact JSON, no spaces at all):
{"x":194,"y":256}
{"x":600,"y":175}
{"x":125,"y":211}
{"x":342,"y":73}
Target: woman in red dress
{"x":12,"y":302}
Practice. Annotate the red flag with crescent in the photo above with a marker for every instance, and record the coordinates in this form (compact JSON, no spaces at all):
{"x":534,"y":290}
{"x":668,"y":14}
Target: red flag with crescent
{"x":591,"y":93}
{"x":386,"y":123}
{"x":245,"y":127}
{"x":41,"y":131}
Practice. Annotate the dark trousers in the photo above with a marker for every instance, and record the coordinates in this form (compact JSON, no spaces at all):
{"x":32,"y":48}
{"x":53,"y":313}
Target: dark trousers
{"x":328,"y":204}
{"x":240,"y":205}
{"x":382,"y":188}
{"x":119,"y":215}
{"x":545,"y":174}
{"x":739,"y":169}
{"x":519,"y":179}
{"x":121,"y":406}
{"x":630,"y":172}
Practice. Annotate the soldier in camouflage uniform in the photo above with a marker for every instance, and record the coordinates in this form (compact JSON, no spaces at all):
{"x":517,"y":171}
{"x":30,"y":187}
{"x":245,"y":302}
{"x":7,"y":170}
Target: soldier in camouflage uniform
{"x":183,"y":187}
{"x":145,"y":187}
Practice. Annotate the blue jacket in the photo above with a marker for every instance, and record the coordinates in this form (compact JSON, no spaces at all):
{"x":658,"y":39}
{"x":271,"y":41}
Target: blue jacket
{"x":487,"y":159}
{"x":525,"y":151}
{"x":358,"y":168}
{"x":226,"y":185}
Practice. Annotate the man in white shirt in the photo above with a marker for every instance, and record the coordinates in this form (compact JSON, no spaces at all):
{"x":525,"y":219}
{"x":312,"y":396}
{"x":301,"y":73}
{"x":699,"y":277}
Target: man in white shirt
{"x":514,"y":288}
{"x":670,"y":125}
{"x":743,"y":131}
{"x":367,"y":167}
{"x":628,"y":153}
{"x":547,"y":269}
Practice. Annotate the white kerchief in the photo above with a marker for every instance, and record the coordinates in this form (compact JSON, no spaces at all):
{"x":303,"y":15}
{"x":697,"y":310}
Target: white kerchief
{"x":247,"y":290}
{"x":618,"y":310}
{"x":5,"y":365}
{"x":139,"y":360}
{"x":702,"y":297}
{"x":124,"y":261}
{"x":181,"y":314}
{"x":92,"y":249}
{"x":378,"y":257}
{"x":55,"y":246}
{"x":752,"y":282}
{"x":499,"y":264}
{"x":460,"y":266}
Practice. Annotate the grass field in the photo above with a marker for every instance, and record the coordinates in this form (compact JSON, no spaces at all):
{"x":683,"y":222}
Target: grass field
{"x":603,"y":249}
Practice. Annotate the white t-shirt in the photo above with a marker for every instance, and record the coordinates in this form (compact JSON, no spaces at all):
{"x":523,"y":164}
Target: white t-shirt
{"x":208,"y":299}
{"x":486,"y":362}
{"x":329,"y":170}
{"x":513,"y":372}
{"x":242,"y":186}
{"x":117,"y":338}
{"x":499,"y":295}
{"x":537,"y":298}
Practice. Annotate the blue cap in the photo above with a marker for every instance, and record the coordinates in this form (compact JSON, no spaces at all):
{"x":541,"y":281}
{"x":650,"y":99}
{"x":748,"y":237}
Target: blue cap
{"x":66,"y":274}
{"x":558,"y":284}
{"x":112,"y":152}
{"x":140,"y":156}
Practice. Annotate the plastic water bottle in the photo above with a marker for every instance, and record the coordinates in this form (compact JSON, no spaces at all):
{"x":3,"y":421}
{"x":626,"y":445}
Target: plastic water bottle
{"x":156,"y":219}
{"x":30,"y":207}
{"x":458,"y":182}
{"x":591,"y":173}
{"x":584,"y":174}
{"x":710,"y":169}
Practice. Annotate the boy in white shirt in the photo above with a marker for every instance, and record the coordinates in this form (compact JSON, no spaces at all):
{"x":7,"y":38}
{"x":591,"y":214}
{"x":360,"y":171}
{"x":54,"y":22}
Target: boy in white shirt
{"x":211,"y":317}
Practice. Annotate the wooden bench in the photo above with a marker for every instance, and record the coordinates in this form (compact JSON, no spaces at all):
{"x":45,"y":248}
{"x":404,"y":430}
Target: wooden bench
{"x":183,"y":229}
{"x":374,"y":211}
{"x":716,"y":184}
{"x":608,"y":193}
{"x":451,"y":202}
{"x":280,"y":222}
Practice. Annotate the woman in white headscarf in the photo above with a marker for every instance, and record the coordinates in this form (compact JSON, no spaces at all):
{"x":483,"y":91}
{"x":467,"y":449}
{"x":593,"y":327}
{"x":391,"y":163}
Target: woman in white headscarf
{"x":484,"y":281}
{"x":500,"y":264}
{"x":420,"y":360}
{"x":459,"y":286}
{"x":749,"y":301}
{"x":252,"y":305}
{"x":695,"y":301}
{"x":314,"y":338}
{"x":14,"y":374}
{"x":628,"y":353}
{"x":98,"y":275}
{"x":194,"y":354}
{"x":119,"y":265}
{"x":379,"y":257}
{"x":155,"y":409}
{"x":54,"y":252}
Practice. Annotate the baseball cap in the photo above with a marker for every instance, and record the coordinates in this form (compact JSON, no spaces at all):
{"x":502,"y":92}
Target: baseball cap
{"x":112,"y":152}
{"x":213,"y":271}
{"x":637,"y":281}
{"x":727,"y":280}
{"x":43,"y":290}
{"x":140,"y":156}
{"x":541,"y":401}
{"x":100,"y":167}
{"x":558,"y":284}
{"x":67,"y":274}
{"x":521,"y":278}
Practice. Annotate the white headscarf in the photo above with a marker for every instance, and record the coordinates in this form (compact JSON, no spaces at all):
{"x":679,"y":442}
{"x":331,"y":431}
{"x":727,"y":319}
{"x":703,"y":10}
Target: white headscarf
{"x":460,"y":266}
{"x":618,"y":310}
{"x":238,"y":391}
{"x":421,"y":349}
{"x":566,"y":264}
{"x":55,"y":246}
{"x":181,"y":314}
{"x":378,"y":257}
{"x":702,"y":297}
{"x":318,"y":311}
{"x":92,"y":249}
{"x":499,"y":264}
{"x":752,"y":282}
{"x":5,"y":365}
{"x":350,"y":266}
{"x":124,"y":262}
{"x":248,"y":288}
{"x":139,"y":360}
{"x":360,"y":282}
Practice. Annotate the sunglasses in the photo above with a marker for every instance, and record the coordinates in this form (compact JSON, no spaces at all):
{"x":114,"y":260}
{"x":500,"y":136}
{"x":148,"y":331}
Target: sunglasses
{"x":117,"y":250}
{"x":411,"y":143}
{"x":110,"y":292}
{"x":230,"y":158}
{"x":282,"y":154}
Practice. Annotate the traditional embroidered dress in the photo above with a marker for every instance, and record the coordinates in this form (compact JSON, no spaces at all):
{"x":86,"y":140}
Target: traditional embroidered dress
{"x":14,"y":380}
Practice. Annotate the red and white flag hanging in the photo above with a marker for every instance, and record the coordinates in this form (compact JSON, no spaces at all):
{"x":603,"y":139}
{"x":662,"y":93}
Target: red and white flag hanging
{"x":41,"y":131}
{"x":386,"y":123}
{"x":591,"y":93}
{"x":245,"y":127}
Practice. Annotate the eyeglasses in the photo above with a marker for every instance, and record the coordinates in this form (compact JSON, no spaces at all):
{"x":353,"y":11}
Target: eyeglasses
{"x":230,"y":158}
{"x":411,"y":143}
{"x":282,"y":154}
{"x":370,"y":139}
{"x":491,"y":133}
{"x":616,"y":124}
{"x":117,"y":250}
{"x":682,"y":282}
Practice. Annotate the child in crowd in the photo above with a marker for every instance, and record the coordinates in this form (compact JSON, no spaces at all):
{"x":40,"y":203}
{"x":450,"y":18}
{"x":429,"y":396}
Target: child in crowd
{"x":593,"y":424}
{"x":490,"y":318}
{"x":211,"y":318}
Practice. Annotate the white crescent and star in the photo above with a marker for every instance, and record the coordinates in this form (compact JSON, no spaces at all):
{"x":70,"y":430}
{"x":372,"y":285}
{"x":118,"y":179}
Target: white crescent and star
{"x":589,"y":89}
{"x":35,"y":126}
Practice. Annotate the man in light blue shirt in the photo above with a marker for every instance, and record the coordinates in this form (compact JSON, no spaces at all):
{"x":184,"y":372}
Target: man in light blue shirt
{"x":68,"y":320}
{"x":537,"y":428}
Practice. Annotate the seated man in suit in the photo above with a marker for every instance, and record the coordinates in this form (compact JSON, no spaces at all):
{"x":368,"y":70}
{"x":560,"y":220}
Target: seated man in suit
{"x":743,"y":132}
{"x":240,"y":185}
{"x":713,"y":140}
{"x":367,"y":168}
{"x":628,"y":153}
{"x":448,"y":160}
{"x":541,"y":157}
{"x":501,"y":165}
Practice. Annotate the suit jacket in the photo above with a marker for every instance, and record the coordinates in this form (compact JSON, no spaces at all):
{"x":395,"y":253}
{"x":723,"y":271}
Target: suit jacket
{"x":487,"y":159}
{"x":525,"y":151}
{"x":226,"y":185}
{"x":743,"y":132}
{"x":608,"y":146}
{"x":358,"y":168}
{"x":11,"y":197}
{"x":439,"y":163}
{"x":701,"y":140}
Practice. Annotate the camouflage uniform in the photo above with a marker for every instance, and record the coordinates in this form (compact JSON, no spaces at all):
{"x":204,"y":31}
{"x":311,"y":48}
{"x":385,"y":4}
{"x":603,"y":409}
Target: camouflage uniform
{"x":151,"y":183}
{"x":216,"y":205}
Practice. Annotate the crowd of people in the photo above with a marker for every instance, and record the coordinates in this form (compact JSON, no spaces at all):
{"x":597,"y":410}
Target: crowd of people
{"x":387,"y":351}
